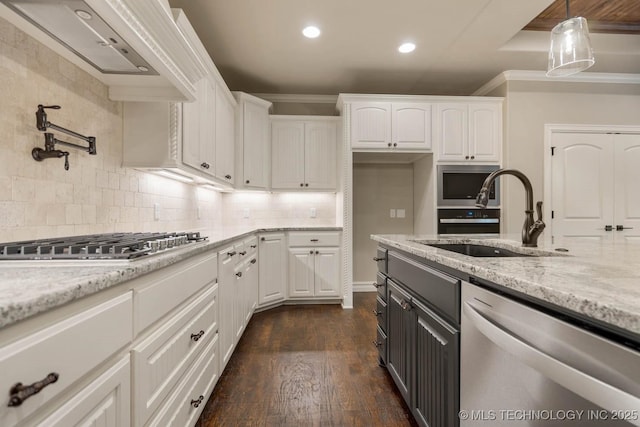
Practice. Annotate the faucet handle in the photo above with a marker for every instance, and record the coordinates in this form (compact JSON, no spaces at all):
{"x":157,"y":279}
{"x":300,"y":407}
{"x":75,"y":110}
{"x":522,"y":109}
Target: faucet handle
{"x":539,"y":210}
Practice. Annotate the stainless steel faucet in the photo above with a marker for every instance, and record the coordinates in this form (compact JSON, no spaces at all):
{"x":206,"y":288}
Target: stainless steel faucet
{"x":530,"y":229}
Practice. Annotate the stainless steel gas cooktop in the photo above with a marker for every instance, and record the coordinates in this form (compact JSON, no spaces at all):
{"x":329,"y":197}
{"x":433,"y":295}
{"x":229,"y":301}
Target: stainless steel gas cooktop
{"x":97,"y":246}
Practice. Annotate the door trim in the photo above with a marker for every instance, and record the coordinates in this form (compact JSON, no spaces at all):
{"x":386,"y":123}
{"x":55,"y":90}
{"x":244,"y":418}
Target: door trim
{"x":549,"y":130}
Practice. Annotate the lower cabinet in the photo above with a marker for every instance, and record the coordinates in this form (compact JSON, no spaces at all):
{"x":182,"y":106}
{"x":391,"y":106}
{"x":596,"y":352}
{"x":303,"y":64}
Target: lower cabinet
{"x":314,"y":265}
{"x":423,"y":350}
{"x":272,"y":269}
{"x":106,"y":401}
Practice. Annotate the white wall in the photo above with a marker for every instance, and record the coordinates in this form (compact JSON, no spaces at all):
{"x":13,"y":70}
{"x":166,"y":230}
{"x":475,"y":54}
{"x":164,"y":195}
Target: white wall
{"x":530,"y":105}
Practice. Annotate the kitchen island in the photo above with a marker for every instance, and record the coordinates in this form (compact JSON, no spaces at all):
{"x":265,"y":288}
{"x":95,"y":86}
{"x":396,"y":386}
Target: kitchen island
{"x":598,"y":280}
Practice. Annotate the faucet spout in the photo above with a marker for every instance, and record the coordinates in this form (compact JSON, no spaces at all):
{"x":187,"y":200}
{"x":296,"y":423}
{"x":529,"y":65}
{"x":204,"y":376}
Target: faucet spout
{"x":530,"y":229}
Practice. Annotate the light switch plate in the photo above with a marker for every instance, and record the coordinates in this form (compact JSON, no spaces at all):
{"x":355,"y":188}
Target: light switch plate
{"x":392,"y":213}
{"x":400,"y":213}
{"x":313,"y":212}
{"x":245,"y":213}
{"x":156,"y":211}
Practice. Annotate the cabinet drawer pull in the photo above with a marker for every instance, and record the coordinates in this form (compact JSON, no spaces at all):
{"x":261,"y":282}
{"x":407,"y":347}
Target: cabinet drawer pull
{"x":306,"y":185}
{"x":376,"y":259}
{"x":196,"y":402}
{"x":262,"y":239}
{"x":247,"y":182}
{"x":19,"y":392}
{"x":315,"y":240}
{"x":232,"y":253}
{"x":253,"y":261}
{"x":377,"y":313}
{"x":205,"y":165}
{"x":239,"y":274}
{"x":228,"y":176}
{"x":197,"y":336}
{"x":255,"y":246}
{"x":378,"y":285}
{"x":376,"y":343}
{"x":406,"y":305}
{"x":243,"y":253}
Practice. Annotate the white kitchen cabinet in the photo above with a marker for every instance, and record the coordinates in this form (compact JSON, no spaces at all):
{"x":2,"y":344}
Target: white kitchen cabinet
{"x":304,"y":153}
{"x":272,"y":269}
{"x":314,"y":265}
{"x":106,"y":401}
{"x":224,"y":135}
{"x":227,"y":258}
{"x":469,"y":132}
{"x":253,"y":147}
{"x":384,"y":126}
{"x":198,"y":129}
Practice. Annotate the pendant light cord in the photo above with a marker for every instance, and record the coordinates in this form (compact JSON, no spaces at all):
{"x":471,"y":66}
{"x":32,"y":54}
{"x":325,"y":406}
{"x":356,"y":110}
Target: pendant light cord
{"x":568,"y":9}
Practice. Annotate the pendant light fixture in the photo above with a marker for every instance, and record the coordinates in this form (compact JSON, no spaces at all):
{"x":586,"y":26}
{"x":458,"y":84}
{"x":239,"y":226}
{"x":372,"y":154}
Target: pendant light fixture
{"x":570,"y":50}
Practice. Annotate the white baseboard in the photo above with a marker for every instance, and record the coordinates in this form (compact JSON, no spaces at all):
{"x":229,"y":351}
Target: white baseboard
{"x":364,"y":287}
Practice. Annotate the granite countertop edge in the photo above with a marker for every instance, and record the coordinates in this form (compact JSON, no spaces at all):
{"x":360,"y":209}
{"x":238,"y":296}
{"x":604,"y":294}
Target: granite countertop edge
{"x":601,"y":301}
{"x":35,"y":287}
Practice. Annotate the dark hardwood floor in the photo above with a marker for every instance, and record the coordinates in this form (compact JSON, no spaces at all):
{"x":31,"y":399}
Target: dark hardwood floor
{"x":308,"y":365}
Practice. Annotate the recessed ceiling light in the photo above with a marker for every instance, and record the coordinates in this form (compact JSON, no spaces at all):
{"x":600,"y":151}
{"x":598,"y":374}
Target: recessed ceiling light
{"x":83,"y":14}
{"x":406,"y":47}
{"x":311,"y":32}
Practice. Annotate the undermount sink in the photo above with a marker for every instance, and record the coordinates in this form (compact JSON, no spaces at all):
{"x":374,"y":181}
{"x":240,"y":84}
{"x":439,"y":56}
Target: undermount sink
{"x":477,"y":250}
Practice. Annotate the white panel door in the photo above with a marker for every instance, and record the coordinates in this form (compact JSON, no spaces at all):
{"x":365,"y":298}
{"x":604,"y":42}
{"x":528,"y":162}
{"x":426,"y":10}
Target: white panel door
{"x":225,"y":137}
{"x":452,"y":132}
{"x":320,"y":161}
{"x":411,"y":126}
{"x":582,"y":185}
{"x":327,"y":272}
{"x":370,"y":125}
{"x":257,"y":156}
{"x":287,"y":154}
{"x":485,"y":130}
{"x":198,"y":129}
{"x":301,"y":274}
{"x":627,"y":186}
{"x":272,"y":283}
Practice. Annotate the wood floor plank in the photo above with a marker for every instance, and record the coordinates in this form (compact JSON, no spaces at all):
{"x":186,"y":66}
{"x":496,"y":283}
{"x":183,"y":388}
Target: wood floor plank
{"x":307,"y":365}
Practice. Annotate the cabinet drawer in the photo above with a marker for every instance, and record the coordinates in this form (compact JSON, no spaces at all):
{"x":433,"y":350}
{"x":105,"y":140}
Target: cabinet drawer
{"x":251,"y":246}
{"x":381,"y":259}
{"x":381,"y":286}
{"x":381,"y":344}
{"x":329,"y":238}
{"x":439,"y":290}
{"x":70,"y":348}
{"x":107,"y":398}
{"x":381,"y":313}
{"x":160,"y":361}
{"x":185,"y":405}
{"x":169,"y":287}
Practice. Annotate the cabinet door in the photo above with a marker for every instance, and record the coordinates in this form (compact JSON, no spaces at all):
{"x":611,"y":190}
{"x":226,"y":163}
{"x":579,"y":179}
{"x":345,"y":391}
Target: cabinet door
{"x":287,"y":154}
{"x":227,"y":295}
{"x":627,"y":177}
{"x":257,"y":152}
{"x":485,"y":130}
{"x":198,"y":129}
{"x":251,"y":287}
{"x":301,"y":272}
{"x":225,"y":137}
{"x":452,"y":132}
{"x":273,"y":269}
{"x":320,"y":162}
{"x":104,"y":402}
{"x":400,"y":321}
{"x":436,"y":368}
{"x":411,"y":126}
{"x":370,"y":125}
{"x":327,"y":272}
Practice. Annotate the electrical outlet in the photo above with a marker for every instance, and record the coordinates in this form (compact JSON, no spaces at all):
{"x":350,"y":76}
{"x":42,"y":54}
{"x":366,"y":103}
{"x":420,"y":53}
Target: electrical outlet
{"x":392,"y":213}
{"x":400,"y":213}
{"x":245,"y":213}
{"x":156,"y":211}
{"x":199,"y":212}
{"x":313,"y":212}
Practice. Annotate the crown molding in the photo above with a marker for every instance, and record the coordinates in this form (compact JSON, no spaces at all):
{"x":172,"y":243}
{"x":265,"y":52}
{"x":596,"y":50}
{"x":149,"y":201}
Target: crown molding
{"x":540,"y":76}
{"x":298,"y":98}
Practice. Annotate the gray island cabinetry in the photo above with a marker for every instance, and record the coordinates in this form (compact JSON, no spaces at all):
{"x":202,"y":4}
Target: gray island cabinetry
{"x":423,"y":337}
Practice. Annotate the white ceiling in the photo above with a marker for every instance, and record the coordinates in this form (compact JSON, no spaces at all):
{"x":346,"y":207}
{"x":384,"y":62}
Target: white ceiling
{"x":461,"y":44}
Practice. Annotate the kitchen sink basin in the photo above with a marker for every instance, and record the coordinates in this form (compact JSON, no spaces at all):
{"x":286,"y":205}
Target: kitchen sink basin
{"x":477,"y":250}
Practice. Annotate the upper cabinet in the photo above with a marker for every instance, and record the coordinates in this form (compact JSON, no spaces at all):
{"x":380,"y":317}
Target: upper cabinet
{"x":155,"y":61}
{"x":469,"y":131}
{"x":304,"y":152}
{"x":253,"y":148}
{"x":382,"y":126}
{"x":225,"y":134}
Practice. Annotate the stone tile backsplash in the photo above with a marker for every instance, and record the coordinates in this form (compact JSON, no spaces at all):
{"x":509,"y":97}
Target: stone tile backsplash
{"x":97,"y":195}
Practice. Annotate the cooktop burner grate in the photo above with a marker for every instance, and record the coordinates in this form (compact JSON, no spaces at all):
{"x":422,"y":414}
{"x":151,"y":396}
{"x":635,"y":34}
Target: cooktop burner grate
{"x":97,"y":246}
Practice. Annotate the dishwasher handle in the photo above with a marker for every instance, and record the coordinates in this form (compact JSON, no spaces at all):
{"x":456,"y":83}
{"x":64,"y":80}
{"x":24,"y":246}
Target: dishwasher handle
{"x":580,"y":383}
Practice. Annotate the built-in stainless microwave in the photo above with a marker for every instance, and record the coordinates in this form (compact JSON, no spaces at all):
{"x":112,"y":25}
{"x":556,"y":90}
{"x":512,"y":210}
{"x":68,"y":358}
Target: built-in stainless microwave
{"x":458,"y":185}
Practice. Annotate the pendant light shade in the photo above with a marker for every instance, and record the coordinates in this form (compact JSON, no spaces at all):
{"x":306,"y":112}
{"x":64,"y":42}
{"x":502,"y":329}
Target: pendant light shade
{"x":570,"y":50}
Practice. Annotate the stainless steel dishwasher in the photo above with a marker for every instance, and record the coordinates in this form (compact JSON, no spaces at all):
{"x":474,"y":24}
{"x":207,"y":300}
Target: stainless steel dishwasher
{"x":522,"y":367}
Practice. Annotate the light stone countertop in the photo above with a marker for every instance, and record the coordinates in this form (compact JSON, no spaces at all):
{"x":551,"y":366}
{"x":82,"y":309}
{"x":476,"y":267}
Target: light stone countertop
{"x":28,"y":288}
{"x":600,"y":280}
